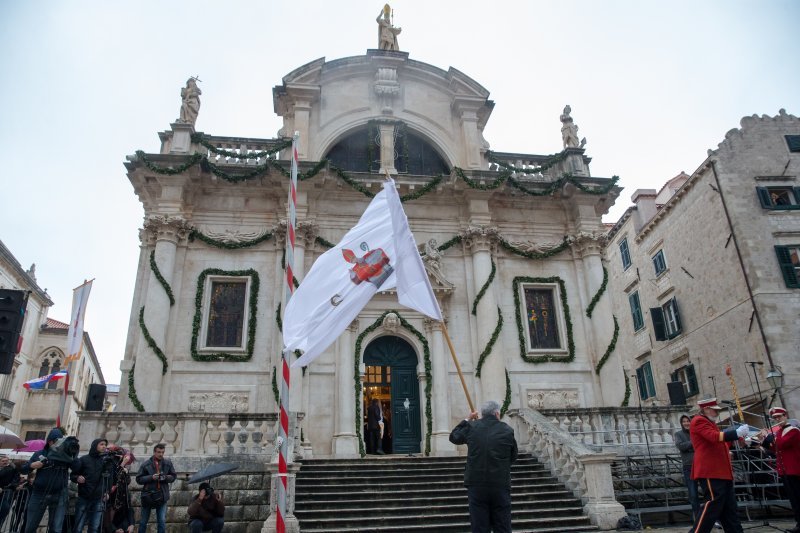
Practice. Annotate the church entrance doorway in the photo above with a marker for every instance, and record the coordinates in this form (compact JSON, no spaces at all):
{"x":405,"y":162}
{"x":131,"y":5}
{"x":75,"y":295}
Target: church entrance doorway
{"x":391,"y":378}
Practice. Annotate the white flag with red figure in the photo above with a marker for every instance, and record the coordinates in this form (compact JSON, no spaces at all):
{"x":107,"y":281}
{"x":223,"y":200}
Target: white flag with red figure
{"x":375,"y":255}
{"x":80,"y":297}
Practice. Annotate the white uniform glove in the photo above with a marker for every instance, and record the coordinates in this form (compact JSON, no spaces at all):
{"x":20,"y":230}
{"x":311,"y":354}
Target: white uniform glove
{"x":742,"y":431}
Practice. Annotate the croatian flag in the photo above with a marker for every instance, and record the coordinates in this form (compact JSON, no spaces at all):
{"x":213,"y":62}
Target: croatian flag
{"x":41,"y":383}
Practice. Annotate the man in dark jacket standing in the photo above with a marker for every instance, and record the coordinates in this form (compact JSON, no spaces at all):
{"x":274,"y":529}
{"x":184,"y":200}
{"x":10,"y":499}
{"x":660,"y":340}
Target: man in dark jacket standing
{"x":712,"y":468}
{"x":49,"y":492}
{"x":92,"y":473}
{"x":155,"y":475}
{"x":491,"y":448}
{"x":206,"y":511}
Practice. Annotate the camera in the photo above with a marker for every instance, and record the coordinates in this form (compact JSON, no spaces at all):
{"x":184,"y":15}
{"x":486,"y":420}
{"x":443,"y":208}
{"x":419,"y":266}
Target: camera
{"x":209,"y":492}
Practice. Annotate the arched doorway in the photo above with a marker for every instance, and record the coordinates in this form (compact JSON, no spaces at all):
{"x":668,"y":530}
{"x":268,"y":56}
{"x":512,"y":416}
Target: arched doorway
{"x":391,"y":376}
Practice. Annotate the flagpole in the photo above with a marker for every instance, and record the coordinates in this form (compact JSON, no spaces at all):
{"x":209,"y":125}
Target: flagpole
{"x":283,"y":427}
{"x":458,"y":367}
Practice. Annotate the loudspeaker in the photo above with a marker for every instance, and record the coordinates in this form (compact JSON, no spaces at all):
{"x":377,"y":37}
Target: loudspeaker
{"x":12,"y":315}
{"x":676,"y":394}
{"x":96,"y":397}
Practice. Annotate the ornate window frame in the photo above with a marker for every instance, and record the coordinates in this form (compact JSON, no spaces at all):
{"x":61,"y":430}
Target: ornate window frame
{"x":564,"y":354}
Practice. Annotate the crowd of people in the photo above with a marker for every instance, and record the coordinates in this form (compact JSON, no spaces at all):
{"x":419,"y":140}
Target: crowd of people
{"x":706,"y":456}
{"x":92,"y":492}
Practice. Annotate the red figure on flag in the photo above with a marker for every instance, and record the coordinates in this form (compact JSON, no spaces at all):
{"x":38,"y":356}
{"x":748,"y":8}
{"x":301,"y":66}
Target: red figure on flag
{"x":373,"y":267}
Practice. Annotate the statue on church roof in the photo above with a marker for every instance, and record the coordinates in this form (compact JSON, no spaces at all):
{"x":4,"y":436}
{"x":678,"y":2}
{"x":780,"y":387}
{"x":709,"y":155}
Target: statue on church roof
{"x":190,"y":102}
{"x":569,"y":130}
{"x":387,"y":33}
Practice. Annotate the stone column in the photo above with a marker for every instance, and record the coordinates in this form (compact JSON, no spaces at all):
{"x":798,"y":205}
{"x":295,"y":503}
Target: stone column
{"x":387,"y":148}
{"x":345,"y":443}
{"x":493,"y":381}
{"x":167,"y":231}
{"x":467,"y":108}
{"x":440,"y":441}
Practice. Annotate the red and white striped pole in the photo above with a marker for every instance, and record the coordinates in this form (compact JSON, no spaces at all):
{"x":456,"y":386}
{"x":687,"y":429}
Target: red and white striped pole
{"x":283,"y":430}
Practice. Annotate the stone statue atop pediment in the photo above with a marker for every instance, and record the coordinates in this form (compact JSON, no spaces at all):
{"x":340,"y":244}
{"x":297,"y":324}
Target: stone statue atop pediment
{"x":569,"y":130}
{"x":387,"y":33}
{"x":190,"y":102}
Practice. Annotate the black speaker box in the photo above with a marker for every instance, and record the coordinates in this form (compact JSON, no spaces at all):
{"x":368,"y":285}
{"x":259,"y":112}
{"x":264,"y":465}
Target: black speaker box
{"x":676,"y":394}
{"x":96,"y":397}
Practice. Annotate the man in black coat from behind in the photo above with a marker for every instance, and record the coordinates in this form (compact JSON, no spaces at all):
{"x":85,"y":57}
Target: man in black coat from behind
{"x":491,"y":448}
{"x":92,"y":473}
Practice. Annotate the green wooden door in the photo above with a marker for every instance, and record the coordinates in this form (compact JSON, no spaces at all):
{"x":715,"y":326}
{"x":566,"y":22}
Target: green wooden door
{"x":399,"y":355}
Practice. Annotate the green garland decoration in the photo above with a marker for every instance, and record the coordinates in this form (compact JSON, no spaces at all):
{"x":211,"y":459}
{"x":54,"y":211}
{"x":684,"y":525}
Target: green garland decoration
{"x":553,"y":159}
{"x":169,"y":171}
{"x":547,"y":358}
{"x":450,"y":243}
{"x":611,"y":346}
{"x":534,"y":255}
{"x":200,"y":236}
{"x":627,"y":396}
{"x":351,"y":182}
{"x":283,"y":267}
{"x":132,"y":391}
{"x":282,"y":144}
{"x":152,"y":343}
{"x":257,"y":171}
{"x":278,"y":319}
{"x":480,"y":294}
{"x":489,"y":345}
{"x":323,"y":242}
{"x":596,"y":297}
{"x":198,"y":315}
{"x":301,"y":176}
{"x":160,"y":278}
{"x":428,"y":378}
{"x":507,"y":400}
{"x":473,"y":184}
{"x":275,"y":386}
{"x":428,"y":187}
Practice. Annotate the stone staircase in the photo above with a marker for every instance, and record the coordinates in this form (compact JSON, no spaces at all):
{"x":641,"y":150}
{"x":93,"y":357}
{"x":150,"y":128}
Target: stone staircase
{"x":423,"y":494}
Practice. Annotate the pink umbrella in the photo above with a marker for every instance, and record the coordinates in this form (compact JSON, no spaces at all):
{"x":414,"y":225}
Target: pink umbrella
{"x":33,"y":445}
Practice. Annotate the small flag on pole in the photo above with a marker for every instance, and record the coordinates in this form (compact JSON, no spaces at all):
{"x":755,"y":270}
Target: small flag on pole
{"x":80,"y":297}
{"x":41,"y":383}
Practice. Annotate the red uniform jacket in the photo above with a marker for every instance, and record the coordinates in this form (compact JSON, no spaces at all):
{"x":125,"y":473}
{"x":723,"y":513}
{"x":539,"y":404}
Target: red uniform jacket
{"x":787,"y":444}
{"x":712,"y":459}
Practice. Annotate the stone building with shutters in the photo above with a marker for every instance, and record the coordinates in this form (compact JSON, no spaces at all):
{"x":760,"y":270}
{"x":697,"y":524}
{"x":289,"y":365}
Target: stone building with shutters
{"x":705,"y":273}
{"x":512,"y":244}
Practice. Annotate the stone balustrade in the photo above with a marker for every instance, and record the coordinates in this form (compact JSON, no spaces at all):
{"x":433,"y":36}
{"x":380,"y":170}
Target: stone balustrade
{"x":624,"y":430}
{"x":585,"y":472}
{"x":237,"y":145}
{"x":522,"y":162}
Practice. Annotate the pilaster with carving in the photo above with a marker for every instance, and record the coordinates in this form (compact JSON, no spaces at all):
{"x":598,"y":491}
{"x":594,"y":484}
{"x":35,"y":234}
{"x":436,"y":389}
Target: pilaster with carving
{"x":345,"y":443}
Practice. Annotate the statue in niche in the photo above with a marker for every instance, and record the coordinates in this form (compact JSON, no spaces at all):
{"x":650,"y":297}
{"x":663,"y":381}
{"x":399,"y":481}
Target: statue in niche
{"x":190,"y":102}
{"x":387,"y":33}
{"x":569,"y":130}
{"x":432,"y":255}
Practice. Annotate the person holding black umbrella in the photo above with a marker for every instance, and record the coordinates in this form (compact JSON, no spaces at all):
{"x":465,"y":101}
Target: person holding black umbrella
{"x":206,"y":510}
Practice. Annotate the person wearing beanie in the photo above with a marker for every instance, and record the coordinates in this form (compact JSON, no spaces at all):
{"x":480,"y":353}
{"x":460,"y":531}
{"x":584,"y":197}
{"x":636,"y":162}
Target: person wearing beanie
{"x":784,"y":439}
{"x":206,"y":511}
{"x":49,"y":491}
{"x":92,"y":473}
{"x":684,"y":444}
{"x":713,"y":470}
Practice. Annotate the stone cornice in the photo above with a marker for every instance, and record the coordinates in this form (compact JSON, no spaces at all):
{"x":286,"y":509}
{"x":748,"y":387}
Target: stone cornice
{"x":25,"y":278}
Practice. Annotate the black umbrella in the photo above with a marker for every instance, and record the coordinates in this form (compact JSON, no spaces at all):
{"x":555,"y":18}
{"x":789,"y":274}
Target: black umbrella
{"x":212,"y":471}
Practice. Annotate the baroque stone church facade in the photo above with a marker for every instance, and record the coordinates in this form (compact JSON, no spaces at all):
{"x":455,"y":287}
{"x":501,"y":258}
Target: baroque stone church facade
{"x":512,"y":243}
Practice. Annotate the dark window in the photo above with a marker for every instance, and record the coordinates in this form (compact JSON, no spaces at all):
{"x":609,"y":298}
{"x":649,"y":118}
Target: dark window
{"x":644,"y":377}
{"x":50,"y":365}
{"x":659,"y":263}
{"x":56,"y":367}
{"x":688,"y":378}
{"x":666,"y":321}
{"x":783,"y":197}
{"x":540,"y":312}
{"x":636,"y":311}
{"x":226,"y":314}
{"x":625,"y":254}
{"x":789,"y":261}
{"x":360,"y":151}
{"x":793,"y":141}
{"x":35,"y":435}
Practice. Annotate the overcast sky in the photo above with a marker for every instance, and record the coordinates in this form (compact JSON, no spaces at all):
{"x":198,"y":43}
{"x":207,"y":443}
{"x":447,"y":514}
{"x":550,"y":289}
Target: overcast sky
{"x":652,"y":86}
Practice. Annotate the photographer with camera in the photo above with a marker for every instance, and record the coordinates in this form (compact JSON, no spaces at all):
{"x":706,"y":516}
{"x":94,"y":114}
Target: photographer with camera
{"x":206,"y":511}
{"x":49,"y":490}
{"x":92,"y":473}
{"x":155,"y":475}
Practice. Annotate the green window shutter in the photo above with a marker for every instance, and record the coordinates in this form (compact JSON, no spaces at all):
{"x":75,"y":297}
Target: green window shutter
{"x":796,"y":191}
{"x":640,"y":382}
{"x":659,"y":327}
{"x":651,"y":385}
{"x":763,"y":196}
{"x":692,"y":377}
{"x":679,"y":328}
{"x":787,"y":268}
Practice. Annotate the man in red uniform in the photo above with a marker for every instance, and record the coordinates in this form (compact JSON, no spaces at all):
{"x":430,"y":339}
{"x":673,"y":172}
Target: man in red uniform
{"x":784,"y":439}
{"x":712,"y":468}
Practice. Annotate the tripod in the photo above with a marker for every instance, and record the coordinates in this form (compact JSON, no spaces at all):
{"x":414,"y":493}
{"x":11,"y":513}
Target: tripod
{"x":762,"y":506}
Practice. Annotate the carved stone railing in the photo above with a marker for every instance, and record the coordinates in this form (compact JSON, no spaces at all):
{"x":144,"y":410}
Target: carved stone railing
{"x":239,"y":145}
{"x":624,"y":430}
{"x":188,"y":435}
{"x":585,"y":472}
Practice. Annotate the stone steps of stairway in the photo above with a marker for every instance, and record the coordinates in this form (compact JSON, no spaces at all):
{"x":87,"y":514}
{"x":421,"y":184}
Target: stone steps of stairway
{"x":423,"y":494}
